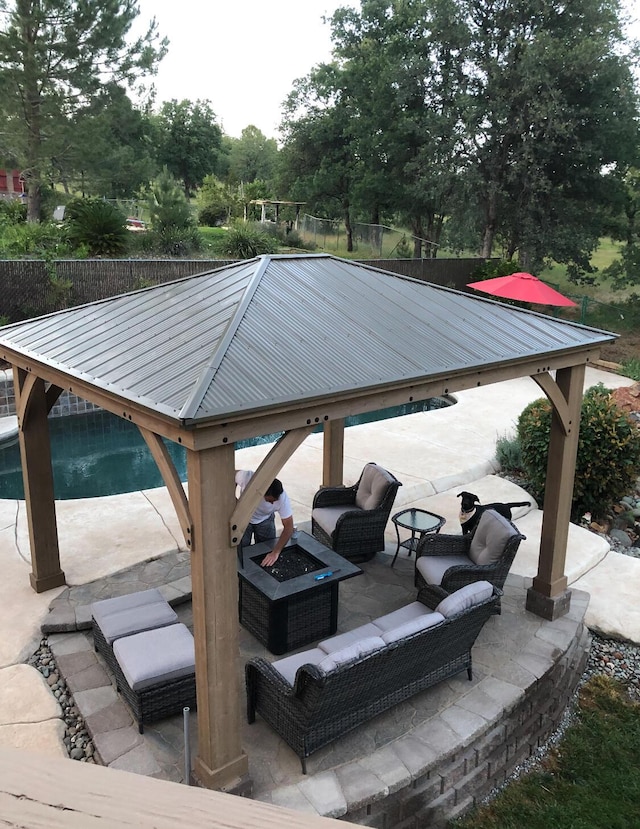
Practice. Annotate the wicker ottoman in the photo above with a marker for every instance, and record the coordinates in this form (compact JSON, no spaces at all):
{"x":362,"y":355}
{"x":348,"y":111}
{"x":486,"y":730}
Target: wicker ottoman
{"x":155,"y":672}
{"x":126,"y":615}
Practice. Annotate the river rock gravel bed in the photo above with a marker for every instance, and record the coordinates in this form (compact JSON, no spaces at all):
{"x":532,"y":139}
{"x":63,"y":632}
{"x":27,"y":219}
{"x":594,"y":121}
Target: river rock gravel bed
{"x":76,"y":738}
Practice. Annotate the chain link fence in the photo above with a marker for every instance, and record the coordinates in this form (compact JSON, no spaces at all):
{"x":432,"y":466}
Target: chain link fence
{"x":374,"y":240}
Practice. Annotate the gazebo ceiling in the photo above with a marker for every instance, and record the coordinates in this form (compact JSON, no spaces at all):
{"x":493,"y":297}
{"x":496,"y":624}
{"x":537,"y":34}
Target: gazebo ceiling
{"x":278,"y":331}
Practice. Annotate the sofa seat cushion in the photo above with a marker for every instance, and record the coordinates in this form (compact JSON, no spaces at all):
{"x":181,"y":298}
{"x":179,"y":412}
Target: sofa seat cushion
{"x":490,"y":538}
{"x":465,"y":597}
{"x":133,"y":613}
{"x":373,"y":486}
{"x":416,"y":625}
{"x":341,"y":640}
{"x":288,"y":666}
{"x":156,"y":656}
{"x":433,"y":568}
{"x":400,"y":616}
{"x":356,"y":650}
{"x":327,"y":517}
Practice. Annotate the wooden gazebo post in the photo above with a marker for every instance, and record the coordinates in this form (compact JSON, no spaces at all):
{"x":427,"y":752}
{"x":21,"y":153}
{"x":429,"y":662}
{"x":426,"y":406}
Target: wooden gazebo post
{"x":548,"y":597}
{"x":221,"y":763}
{"x":32,"y":407}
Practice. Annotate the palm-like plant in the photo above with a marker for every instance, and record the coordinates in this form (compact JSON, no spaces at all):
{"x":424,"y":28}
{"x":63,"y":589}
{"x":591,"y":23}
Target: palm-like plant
{"x":98,"y":225}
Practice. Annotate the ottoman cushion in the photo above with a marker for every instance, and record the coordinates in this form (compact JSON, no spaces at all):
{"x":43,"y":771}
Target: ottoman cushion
{"x":133,"y":613}
{"x":156,"y":656}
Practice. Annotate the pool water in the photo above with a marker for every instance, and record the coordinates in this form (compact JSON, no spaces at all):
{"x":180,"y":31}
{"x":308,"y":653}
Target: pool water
{"x":98,"y":453}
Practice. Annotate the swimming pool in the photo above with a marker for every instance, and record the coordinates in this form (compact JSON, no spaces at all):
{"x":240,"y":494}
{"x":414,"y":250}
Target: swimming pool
{"x":98,"y":453}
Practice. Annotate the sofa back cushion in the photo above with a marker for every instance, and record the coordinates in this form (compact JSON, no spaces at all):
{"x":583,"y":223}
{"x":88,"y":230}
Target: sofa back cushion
{"x":351,"y":652}
{"x":490,"y":538}
{"x":468,"y":596}
{"x":413,"y":626}
{"x":373,"y":486}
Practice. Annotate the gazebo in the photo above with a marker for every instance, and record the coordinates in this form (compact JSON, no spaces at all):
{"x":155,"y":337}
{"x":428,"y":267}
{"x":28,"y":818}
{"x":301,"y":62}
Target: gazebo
{"x":277,"y":344}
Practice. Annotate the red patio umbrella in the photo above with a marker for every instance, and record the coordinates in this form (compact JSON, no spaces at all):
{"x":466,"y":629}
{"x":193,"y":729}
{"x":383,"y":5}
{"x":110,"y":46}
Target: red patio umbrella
{"x":522,"y":286}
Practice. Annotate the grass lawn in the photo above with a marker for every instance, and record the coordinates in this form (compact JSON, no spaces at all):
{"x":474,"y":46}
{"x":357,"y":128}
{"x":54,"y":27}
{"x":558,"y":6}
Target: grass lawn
{"x":591,"y":780}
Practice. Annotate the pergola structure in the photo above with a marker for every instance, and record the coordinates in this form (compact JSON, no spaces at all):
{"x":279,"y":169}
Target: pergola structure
{"x":276,"y":204}
{"x":277,"y":344}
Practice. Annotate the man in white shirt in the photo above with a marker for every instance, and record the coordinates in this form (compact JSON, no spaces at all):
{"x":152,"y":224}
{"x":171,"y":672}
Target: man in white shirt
{"x":262,"y":526}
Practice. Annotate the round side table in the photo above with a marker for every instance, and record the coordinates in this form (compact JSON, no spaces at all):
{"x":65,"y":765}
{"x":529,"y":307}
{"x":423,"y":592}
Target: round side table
{"x":420,"y":522}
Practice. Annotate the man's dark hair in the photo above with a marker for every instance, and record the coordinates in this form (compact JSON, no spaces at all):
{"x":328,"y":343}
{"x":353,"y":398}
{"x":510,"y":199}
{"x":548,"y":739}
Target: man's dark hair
{"x":275,"y":490}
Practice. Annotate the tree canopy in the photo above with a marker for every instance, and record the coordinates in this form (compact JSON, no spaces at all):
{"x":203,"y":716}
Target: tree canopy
{"x":55,"y":58}
{"x":487,"y":123}
{"x":188,"y":141}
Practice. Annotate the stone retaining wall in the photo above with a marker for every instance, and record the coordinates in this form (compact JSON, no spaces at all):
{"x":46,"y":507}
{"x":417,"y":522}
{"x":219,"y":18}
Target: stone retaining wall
{"x":465,"y":777}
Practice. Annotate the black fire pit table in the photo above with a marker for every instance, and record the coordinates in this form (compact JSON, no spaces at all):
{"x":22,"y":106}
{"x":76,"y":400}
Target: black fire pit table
{"x":295,"y":601}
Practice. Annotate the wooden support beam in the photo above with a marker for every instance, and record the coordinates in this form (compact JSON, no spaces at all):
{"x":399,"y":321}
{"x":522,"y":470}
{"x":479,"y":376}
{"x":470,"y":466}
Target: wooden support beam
{"x":170,"y":476}
{"x":548,"y":596}
{"x":221,"y":762}
{"x":279,"y":454}
{"x":333,"y":453}
{"x":37,"y":474}
{"x":560,"y":405}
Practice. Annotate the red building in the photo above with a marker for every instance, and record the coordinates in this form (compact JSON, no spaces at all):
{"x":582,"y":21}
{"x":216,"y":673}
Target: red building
{"x":11,"y":185}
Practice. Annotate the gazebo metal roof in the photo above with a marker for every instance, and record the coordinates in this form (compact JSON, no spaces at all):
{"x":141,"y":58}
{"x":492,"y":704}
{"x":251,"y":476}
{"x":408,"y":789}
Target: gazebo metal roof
{"x":279,"y":330}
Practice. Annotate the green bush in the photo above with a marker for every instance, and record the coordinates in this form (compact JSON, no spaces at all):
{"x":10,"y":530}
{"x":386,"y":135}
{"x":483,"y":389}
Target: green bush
{"x":168,"y":205}
{"x":608,"y":460}
{"x":631,"y":368}
{"x":509,"y":453}
{"x":44,"y":240}
{"x":97,"y":225}
{"x":12,"y":211}
{"x":491,"y":268}
{"x":176,"y":241}
{"x":245,"y":242}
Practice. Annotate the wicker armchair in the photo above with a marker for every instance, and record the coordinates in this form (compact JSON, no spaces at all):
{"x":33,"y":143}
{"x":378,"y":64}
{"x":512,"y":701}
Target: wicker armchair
{"x":445,"y":563}
{"x":352,"y":520}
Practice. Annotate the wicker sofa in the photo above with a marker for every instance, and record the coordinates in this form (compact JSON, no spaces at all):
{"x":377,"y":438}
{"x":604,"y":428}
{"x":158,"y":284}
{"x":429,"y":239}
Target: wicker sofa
{"x":315,"y":696}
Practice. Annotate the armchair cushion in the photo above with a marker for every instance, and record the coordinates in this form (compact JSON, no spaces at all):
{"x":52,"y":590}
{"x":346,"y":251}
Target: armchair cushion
{"x":433,"y":568}
{"x":373,"y":486}
{"x":327,"y":517}
{"x":490,"y":538}
{"x":464,"y":598}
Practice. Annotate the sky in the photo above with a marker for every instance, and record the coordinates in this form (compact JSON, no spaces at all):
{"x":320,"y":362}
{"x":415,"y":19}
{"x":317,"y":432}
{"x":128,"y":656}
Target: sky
{"x":243,"y":55}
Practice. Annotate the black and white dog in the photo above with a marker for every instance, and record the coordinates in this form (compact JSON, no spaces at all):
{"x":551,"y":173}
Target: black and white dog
{"x":471,"y":510}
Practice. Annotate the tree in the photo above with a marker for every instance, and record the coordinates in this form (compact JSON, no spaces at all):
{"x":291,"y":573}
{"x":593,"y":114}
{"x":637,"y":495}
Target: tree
{"x":320,"y":159}
{"x":252,"y":156}
{"x":552,"y":105}
{"x":54,"y":56}
{"x":106,"y":149}
{"x":188,"y":141}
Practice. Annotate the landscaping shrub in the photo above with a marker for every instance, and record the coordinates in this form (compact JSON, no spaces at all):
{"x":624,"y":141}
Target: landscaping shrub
{"x":12,"y":211}
{"x":45,"y":240}
{"x":608,"y":460}
{"x":245,"y":242}
{"x":97,"y":225}
{"x":509,"y":453}
{"x":631,"y":368}
{"x":176,"y":241}
{"x":168,"y":205}
{"x":492,"y":268}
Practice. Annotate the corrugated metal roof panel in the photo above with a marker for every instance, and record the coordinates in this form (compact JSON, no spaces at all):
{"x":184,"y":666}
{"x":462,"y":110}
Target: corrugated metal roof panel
{"x":279,"y":329}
